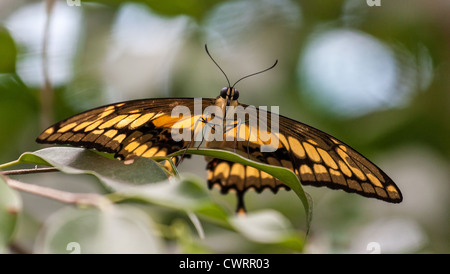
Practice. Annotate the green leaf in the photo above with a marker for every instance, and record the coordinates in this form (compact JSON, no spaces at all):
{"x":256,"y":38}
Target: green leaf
{"x":120,"y":177}
{"x":188,"y":193}
{"x":10,"y":206}
{"x":8,"y":52}
{"x":142,"y":180}
{"x":112,"y":173}
{"x":194,"y":8}
{"x":118,"y":229}
{"x":268,"y":227}
{"x":19,"y":118}
{"x":283,"y":174}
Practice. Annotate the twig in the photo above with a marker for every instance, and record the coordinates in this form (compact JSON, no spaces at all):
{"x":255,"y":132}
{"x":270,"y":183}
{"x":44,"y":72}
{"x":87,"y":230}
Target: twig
{"x":92,"y":199}
{"x":47,"y":91}
{"x":18,"y":248}
{"x":28,"y":171}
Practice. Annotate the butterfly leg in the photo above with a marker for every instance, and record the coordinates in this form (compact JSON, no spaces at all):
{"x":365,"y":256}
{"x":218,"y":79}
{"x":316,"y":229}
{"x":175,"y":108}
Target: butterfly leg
{"x":236,"y":137}
{"x":248,"y":141}
{"x":203,"y":133}
{"x":240,"y":209}
{"x":238,"y":127}
{"x":211,"y":125}
{"x":192,"y":138}
{"x":233,"y":125}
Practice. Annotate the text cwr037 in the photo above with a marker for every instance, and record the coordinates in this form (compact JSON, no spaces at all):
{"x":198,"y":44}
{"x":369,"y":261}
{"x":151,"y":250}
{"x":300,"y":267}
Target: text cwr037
{"x":158,"y":127}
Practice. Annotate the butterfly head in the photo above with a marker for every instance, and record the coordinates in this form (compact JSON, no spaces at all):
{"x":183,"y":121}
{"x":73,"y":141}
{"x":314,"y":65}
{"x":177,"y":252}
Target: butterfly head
{"x":229,"y":95}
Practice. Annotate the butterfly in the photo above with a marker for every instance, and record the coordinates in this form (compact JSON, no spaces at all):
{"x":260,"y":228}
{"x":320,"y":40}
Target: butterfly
{"x":148,"y":128}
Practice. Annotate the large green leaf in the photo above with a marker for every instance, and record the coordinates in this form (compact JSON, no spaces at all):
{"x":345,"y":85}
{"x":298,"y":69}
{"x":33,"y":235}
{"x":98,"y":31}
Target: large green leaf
{"x":10,"y":206}
{"x":112,"y":173}
{"x":189,"y":194}
{"x":283,"y":174}
{"x":116,"y":229}
{"x":120,"y":177}
{"x":142,"y":180}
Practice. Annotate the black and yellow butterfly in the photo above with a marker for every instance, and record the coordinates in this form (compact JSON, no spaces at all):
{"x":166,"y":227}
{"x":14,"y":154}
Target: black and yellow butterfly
{"x":144,"y":128}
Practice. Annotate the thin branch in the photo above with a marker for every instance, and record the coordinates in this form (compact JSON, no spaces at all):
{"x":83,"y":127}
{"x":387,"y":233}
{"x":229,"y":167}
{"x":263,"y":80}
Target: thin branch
{"x":47,"y":90}
{"x":92,"y":199}
{"x":18,"y":248}
{"x":9,"y":164}
{"x":28,"y":171}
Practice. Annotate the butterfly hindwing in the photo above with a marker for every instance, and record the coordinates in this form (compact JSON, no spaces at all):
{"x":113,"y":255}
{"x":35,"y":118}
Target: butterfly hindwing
{"x":229,"y":176}
{"x":316,"y":157}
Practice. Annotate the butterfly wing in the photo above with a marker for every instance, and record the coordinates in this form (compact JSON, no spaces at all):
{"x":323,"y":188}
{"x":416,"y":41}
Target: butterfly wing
{"x":316,"y":157}
{"x":128,"y":129}
{"x":143,"y":128}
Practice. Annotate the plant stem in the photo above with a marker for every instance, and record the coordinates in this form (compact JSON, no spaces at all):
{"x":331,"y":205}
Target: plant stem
{"x":92,"y":199}
{"x":9,"y":164}
{"x":174,"y":167}
{"x":28,"y":171}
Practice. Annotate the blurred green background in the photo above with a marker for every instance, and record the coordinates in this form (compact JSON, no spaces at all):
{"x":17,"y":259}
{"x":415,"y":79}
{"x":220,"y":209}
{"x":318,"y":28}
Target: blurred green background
{"x":376,"y":77}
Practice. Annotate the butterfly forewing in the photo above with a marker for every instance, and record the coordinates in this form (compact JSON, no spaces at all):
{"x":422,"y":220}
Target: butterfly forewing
{"x":128,"y":129}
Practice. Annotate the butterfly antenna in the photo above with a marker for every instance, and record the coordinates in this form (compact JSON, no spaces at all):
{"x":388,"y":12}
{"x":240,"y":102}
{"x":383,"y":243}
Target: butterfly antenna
{"x":206,"y":48}
{"x":276,"y":62}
